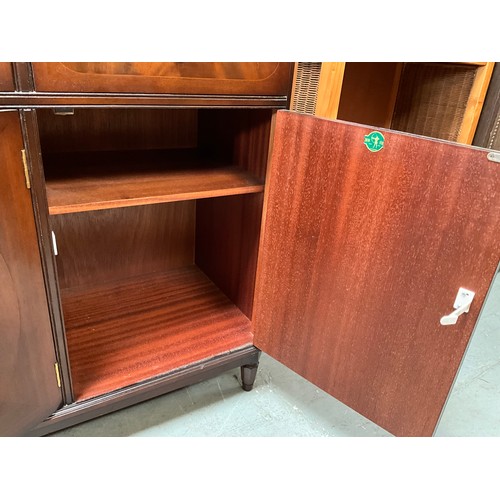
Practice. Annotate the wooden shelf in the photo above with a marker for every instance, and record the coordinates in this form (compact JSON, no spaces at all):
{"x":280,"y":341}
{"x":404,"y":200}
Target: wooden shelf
{"x":133,"y":330}
{"x":78,"y":182}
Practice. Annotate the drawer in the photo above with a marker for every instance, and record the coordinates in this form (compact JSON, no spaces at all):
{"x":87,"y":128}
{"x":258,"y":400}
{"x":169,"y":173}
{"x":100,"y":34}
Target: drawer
{"x":6,"y":80}
{"x":210,"y":78}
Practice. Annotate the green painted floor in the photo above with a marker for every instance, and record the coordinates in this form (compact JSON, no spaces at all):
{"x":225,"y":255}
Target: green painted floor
{"x":284,"y":404}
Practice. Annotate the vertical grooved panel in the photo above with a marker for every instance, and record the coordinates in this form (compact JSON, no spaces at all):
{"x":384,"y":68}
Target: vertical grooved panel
{"x":306,"y":87}
{"x":432,"y":99}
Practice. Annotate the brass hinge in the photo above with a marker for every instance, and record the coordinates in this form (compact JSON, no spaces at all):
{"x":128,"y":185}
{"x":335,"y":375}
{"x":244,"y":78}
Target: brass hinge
{"x":58,"y":375}
{"x":26,"y":171}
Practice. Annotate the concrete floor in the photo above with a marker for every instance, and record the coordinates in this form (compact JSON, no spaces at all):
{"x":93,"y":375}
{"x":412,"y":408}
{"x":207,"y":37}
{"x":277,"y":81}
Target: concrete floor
{"x":284,"y":404}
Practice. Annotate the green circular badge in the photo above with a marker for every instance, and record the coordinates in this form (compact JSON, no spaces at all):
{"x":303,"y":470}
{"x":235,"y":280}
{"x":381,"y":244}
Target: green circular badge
{"x":374,"y":141}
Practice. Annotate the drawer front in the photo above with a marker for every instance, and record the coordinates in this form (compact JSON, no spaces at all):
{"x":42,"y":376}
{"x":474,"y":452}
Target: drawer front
{"x":6,"y":80}
{"x":267,"y":79}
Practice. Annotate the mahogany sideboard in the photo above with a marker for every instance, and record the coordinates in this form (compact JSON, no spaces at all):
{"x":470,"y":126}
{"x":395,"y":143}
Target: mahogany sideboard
{"x":163,"y":222}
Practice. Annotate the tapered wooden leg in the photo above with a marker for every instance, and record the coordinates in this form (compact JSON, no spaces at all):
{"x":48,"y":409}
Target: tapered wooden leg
{"x":248,"y":374}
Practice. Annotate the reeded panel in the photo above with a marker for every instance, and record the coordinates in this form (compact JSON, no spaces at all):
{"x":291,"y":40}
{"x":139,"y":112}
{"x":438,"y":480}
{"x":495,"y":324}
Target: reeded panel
{"x":432,"y":99}
{"x":306,"y":87}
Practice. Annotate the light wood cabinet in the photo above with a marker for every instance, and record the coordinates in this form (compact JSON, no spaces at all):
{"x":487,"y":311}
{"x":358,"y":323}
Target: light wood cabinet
{"x":487,"y":135}
{"x":177,"y":242}
{"x":441,"y":100}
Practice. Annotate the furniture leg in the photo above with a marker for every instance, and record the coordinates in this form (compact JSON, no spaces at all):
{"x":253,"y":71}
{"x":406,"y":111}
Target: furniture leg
{"x":248,"y":374}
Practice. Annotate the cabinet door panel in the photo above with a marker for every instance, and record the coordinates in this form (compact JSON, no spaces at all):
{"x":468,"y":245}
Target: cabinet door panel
{"x":28,"y":384}
{"x":266,"y":78}
{"x":6,"y":81}
{"x":363,"y":252}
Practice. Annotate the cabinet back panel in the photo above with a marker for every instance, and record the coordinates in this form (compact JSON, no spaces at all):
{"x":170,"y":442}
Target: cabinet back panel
{"x":117,"y":129}
{"x":106,"y":245}
{"x":369,"y":93}
{"x":227,"y":243}
{"x":241,"y":136}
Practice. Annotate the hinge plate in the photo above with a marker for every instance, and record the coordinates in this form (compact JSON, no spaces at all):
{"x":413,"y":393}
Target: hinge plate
{"x":58,"y":375}
{"x":494,"y":156}
{"x":64,"y":111}
{"x":26,"y":171}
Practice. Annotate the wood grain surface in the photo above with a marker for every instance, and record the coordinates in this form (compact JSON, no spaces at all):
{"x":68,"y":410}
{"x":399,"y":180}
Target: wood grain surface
{"x":100,"y":129}
{"x":227,"y":244}
{"x":249,"y":78}
{"x":329,"y":89}
{"x":107,"y":245}
{"x":100,"y":180}
{"x":6,"y":80}
{"x":139,"y":328}
{"x":369,"y":91}
{"x":28,"y":385}
{"x":228,"y":228}
{"x":239,"y":136}
{"x":29,"y":127}
{"x":362,"y":253}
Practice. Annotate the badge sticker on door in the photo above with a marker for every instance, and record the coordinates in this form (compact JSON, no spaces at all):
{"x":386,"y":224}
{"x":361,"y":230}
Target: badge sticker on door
{"x":374,"y":141}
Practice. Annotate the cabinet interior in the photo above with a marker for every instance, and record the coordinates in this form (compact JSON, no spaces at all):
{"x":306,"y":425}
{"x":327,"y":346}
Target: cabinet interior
{"x":156,"y":214}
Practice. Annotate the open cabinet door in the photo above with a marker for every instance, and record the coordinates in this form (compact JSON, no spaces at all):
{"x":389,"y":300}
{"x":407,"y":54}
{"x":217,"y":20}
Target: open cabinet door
{"x":28,"y":385}
{"x":363,"y":252}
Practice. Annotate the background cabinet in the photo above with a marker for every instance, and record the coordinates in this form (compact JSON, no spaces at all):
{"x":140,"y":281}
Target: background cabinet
{"x":441,"y":100}
{"x":487,"y":135}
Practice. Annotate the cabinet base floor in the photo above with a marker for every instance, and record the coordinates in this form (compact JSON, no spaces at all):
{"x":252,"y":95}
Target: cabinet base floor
{"x":126,"y":332}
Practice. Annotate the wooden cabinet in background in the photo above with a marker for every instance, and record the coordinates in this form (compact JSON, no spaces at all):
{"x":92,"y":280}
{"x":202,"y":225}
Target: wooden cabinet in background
{"x":441,"y":100}
{"x":177,"y":242}
{"x":487,"y":133}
